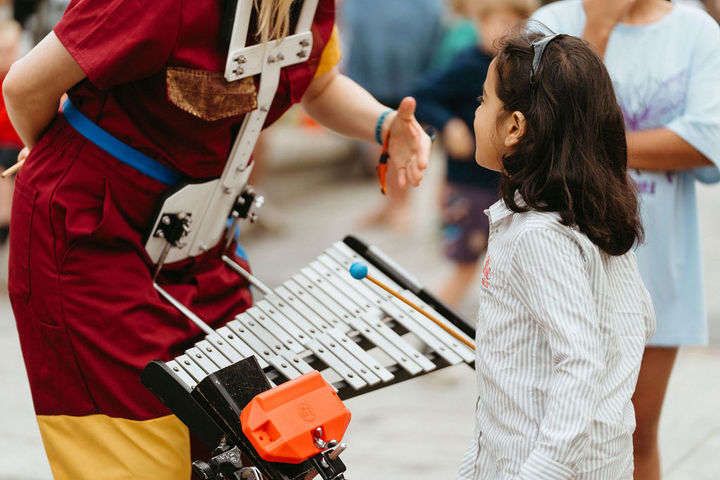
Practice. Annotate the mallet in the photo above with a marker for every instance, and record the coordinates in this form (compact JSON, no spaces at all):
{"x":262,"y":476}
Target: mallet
{"x":359,"y":270}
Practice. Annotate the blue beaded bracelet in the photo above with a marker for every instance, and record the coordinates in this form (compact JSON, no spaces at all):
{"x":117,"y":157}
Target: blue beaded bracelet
{"x":378,"y":127}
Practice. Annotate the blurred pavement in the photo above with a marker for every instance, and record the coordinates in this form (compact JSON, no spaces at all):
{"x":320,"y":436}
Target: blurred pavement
{"x":417,"y":430}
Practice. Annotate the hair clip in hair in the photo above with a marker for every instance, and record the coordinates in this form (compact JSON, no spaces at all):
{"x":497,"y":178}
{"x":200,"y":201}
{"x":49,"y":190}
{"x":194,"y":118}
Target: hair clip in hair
{"x":539,"y":46}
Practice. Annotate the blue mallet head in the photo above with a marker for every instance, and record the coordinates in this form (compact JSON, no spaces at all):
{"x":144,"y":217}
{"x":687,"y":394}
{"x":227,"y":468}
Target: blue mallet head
{"x":358,"y":270}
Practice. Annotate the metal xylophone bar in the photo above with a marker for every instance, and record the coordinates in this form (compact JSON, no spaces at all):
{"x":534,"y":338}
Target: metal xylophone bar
{"x":352,"y":331}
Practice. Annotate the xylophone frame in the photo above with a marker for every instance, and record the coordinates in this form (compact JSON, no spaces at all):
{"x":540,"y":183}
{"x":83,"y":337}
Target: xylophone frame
{"x":211,"y":409}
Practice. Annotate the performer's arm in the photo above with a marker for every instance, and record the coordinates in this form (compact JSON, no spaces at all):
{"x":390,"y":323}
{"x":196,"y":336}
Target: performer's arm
{"x":34,"y":86}
{"x":342,"y":105}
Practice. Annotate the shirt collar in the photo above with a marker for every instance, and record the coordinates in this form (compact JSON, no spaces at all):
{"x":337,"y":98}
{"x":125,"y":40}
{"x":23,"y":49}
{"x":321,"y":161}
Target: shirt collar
{"x":498,"y":211}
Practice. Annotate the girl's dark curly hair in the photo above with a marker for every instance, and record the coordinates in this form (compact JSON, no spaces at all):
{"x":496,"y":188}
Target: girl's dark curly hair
{"x":572,"y":158}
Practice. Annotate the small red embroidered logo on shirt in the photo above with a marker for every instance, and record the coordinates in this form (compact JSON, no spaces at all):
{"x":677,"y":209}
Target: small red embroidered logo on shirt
{"x":486,"y":273}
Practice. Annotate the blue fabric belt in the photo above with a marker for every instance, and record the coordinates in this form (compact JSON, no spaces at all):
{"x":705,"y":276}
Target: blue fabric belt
{"x":125,"y":153}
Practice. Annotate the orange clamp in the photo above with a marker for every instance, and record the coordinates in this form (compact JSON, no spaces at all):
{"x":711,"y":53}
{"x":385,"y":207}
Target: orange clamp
{"x":281,"y":422}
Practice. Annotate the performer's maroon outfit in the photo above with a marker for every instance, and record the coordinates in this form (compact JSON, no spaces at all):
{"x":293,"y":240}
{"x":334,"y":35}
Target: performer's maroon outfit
{"x":80,"y":281}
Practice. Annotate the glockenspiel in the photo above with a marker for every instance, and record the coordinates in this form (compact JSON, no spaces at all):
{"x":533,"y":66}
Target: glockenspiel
{"x":356,"y":334}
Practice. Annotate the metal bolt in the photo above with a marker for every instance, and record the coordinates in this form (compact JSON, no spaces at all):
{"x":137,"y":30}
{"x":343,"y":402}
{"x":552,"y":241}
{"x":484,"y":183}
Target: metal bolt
{"x":231,"y":336}
{"x":302,"y":54}
{"x":321,"y":350}
{"x":241,"y":59}
{"x":228,"y":190}
{"x":203,"y":248}
{"x":283,"y":365}
{"x":350,"y":375}
{"x":264,"y":108}
{"x":271,"y":59}
{"x":239,"y":71}
{"x":165,"y":220}
{"x":304,"y":43}
{"x":280,"y":57}
{"x":160,"y":234}
{"x":296,"y":360}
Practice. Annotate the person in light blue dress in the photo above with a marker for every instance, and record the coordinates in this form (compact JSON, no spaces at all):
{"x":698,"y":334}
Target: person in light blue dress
{"x":664,"y":62}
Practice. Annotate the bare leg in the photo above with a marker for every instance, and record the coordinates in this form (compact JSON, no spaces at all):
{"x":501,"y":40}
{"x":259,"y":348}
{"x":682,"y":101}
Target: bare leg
{"x":453,"y":291}
{"x":648,"y":399}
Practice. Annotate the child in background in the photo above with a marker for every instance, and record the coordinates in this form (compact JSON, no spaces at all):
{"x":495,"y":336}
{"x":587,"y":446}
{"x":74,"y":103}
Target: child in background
{"x":564,"y":315}
{"x":447,"y":99}
{"x":459,"y":33}
{"x":10,"y":143}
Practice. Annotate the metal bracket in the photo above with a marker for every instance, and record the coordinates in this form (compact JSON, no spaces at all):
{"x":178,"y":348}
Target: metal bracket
{"x":226,"y":463}
{"x":248,"y":203}
{"x":174,"y":226}
{"x":328,"y":464}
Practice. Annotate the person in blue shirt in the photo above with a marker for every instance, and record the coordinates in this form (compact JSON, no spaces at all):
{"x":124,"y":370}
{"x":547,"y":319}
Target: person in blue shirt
{"x":390,"y":44}
{"x":663,"y":59}
{"x":447,"y":100}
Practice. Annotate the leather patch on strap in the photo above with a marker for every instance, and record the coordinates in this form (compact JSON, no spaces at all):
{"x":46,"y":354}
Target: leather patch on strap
{"x":208,"y":95}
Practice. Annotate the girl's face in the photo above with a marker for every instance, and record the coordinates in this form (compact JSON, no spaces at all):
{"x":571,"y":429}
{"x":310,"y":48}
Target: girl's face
{"x":488,"y":135}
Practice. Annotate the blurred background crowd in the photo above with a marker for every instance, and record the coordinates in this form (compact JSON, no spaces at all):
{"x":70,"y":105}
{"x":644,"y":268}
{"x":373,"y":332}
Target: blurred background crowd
{"x":439,"y":230}
{"x":440,"y":58}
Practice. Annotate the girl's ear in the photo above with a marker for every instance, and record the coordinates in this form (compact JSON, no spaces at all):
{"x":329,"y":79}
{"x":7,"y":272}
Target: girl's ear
{"x":515,"y":128}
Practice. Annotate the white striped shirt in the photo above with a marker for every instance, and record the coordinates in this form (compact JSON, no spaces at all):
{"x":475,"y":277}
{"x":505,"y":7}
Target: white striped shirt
{"x":560,"y":335}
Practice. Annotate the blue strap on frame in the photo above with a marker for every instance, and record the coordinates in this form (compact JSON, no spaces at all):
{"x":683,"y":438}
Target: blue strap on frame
{"x":111,"y":145}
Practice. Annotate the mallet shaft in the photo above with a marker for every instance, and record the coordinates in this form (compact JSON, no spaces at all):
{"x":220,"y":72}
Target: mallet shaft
{"x":421,"y":310}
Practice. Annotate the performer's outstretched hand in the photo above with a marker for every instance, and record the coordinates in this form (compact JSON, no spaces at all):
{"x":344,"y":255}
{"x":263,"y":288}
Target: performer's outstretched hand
{"x":409,"y":145}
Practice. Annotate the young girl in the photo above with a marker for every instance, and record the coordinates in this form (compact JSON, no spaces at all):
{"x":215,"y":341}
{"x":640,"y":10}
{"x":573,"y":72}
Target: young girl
{"x":564,"y":315}
{"x":664,"y":62}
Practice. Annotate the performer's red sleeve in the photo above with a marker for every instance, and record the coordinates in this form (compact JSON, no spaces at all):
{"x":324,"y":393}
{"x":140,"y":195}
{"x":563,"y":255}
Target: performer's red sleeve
{"x":118,"y":41}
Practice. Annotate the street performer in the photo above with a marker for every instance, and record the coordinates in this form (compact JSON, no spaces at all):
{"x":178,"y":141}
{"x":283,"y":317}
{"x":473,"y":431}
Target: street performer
{"x":150,"y":75}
